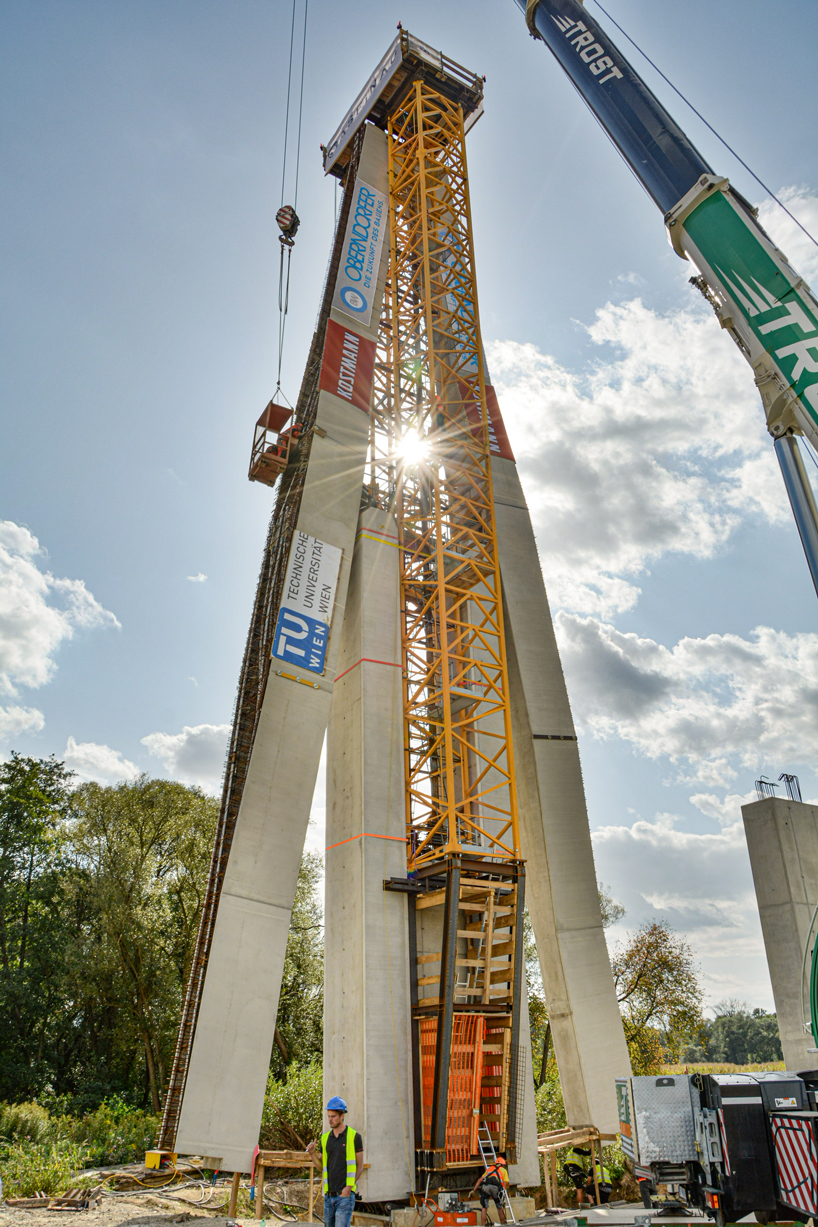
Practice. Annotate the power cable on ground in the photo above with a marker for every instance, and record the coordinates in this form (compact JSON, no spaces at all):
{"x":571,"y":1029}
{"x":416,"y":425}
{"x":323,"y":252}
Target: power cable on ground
{"x":717,"y":135}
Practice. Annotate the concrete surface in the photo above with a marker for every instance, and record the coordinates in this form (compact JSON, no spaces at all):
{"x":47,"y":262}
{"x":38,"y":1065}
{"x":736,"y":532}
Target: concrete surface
{"x":782,"y":839}
{"x":224,"y":1094}
{"x":367,"y":1003}
{"x":561,"y":888}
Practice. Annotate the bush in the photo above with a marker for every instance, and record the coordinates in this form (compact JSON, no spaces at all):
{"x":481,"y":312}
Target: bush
{"x":115,"y":1132}
{"x":32,"y":1168}
{"x":24,"y":1122}
{"x":293,"y":1110}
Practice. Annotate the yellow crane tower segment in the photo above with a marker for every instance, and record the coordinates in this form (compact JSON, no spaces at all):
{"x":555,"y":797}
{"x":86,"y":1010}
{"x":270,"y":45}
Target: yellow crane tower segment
{"x":459,"y":762}
{"x":430,"y":457}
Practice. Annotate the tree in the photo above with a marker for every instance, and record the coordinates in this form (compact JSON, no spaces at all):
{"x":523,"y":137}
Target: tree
{"x":36,"y":929}
{"x":742,"y":1037}
{"x":300,"y":1020}
{"x":659,"y":994}
{"x":612,"y":912}
{"x":144,"y":848}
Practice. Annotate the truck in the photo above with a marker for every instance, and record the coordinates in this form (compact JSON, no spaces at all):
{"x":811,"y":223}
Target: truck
{"x":725,"y":1145}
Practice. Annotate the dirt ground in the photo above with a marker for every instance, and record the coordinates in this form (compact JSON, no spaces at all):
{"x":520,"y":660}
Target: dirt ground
{"x":144,"y":1210}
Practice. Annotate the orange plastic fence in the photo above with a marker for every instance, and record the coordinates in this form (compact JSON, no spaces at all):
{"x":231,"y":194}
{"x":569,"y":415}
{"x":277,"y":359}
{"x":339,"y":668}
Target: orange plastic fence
{"x":491,"y":1096}
{"x":465,"y":1073}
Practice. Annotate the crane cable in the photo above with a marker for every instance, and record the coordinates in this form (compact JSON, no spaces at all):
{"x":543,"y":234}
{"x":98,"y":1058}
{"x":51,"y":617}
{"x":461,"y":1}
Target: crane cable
{"x":717,"y":135}
{"x":285,"y":241}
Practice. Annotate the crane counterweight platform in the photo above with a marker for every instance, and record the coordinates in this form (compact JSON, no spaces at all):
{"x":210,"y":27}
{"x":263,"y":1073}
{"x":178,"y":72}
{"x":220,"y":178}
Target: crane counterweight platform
{"x":401,"y":607}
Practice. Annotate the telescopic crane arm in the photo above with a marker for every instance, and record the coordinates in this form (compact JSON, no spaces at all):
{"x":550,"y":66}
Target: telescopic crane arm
{"x":769,"y":311}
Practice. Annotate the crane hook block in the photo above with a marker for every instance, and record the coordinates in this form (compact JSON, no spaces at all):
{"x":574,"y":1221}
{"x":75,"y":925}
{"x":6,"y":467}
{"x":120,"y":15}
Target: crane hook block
{"x":288,"y":223}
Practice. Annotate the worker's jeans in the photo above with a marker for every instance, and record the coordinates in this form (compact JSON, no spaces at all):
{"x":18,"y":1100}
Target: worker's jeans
{"x":338,"y":1210}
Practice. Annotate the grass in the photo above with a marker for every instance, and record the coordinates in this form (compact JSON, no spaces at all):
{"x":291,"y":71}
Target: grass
{"x":708,"y":1067}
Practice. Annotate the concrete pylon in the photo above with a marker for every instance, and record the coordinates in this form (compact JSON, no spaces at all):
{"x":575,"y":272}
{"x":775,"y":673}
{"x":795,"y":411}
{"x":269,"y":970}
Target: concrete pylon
{"x":782,"y":839}
{"x":562,"y":892}
{"x":230,"y":1056}
{"x":367,"y":999}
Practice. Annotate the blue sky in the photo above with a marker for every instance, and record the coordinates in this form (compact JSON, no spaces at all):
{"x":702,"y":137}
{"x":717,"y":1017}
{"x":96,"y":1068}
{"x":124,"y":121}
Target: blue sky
{"x":142,"y":153}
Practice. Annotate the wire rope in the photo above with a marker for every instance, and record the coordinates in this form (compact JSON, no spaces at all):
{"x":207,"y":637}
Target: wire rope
{"x":284,"y":264}
{"x":717,"y":135}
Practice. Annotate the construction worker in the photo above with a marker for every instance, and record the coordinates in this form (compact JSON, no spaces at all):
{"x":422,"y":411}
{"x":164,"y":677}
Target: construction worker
{"x":342,"y":1162}
{"x":492,"y":1185}
{"x":583,"y":1181}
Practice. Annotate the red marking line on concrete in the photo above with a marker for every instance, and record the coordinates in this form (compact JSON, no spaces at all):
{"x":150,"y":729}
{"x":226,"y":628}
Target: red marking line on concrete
{"x":369,"y":661}
{"x":366,"y":835}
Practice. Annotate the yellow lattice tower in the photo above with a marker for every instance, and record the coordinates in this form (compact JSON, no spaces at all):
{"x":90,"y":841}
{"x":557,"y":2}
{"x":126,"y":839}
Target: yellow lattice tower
{"x":461,"y":792}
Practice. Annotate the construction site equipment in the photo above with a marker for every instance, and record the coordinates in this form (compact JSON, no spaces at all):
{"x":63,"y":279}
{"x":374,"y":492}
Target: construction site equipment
{"x":727,"y":1145}
{"x":549,"y":1144}
{"x":272,"y":444}
{"x":288,"y":222}
{"x":759,"y":299}
{"x":401,"y":601}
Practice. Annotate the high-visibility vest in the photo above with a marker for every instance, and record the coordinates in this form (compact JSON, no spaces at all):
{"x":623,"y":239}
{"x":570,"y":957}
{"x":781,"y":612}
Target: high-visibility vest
{"x":351,"y":1160}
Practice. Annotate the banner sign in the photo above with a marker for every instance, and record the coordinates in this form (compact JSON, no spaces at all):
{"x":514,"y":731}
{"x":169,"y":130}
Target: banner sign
{"x":363,"y":104}
{"x":348,"y":365}
{"x":361,"y":253}
{"x":305,"y":613}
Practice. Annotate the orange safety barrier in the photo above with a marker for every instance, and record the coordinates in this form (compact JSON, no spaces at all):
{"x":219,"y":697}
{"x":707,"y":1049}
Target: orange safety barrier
{"x":491,"y":1097}
{"x":465,"y":1073}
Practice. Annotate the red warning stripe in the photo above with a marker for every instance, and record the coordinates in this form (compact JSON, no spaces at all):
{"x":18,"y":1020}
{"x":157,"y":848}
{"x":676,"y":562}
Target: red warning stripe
{"x":797,"y":1162}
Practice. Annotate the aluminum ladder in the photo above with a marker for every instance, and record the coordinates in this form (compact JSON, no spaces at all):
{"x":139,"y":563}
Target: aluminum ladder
{"x":489,"y":1156}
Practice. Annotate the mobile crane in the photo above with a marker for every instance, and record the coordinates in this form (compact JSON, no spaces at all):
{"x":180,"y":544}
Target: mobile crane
{"x":759,"y":299}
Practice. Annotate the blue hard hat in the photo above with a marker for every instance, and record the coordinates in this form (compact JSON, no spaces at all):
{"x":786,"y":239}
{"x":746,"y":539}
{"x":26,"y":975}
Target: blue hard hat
{"x":337,"y":1104}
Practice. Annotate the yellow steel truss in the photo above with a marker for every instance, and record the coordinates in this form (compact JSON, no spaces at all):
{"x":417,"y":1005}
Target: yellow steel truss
{"x":430,"y":444}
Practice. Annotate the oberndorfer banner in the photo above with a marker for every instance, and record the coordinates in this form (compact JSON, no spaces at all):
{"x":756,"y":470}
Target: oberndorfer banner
{"x":361,"y":253}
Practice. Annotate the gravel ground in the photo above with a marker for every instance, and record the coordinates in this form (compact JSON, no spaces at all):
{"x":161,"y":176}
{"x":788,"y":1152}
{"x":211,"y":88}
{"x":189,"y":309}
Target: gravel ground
{"x":144,"y":1211}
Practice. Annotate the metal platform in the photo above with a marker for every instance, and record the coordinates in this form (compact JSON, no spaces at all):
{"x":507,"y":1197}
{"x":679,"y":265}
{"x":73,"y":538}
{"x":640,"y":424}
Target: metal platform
{"x":407,"y":60}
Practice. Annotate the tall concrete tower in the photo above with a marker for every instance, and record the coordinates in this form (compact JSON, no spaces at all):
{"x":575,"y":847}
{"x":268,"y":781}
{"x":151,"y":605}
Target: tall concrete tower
{"x":401,"y":604}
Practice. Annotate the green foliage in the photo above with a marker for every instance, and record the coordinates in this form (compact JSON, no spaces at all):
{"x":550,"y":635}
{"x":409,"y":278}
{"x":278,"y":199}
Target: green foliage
{"x":549,"y":1101}
{"x":37,"y":925}
{"x":38,"y":1168}
{"x":612,"y":912}
{"x":659,"y":994}
{"x":145,"y":848}
{"x":300,"y":1020}
{"x":24,"y":1122}
{"x":40,"y":1151}
{"x":293,"y":1108}
{"x":100,"y":896}
{"x":740,"y":1036}
{"x":115,"y":1132}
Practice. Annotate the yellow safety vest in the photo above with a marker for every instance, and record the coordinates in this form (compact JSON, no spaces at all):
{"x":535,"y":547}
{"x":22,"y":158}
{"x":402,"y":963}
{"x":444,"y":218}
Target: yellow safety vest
{"x":351,"y":1160}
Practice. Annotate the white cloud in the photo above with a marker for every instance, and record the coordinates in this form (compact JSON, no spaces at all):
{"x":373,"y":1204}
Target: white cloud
{"x":199,"y":578}
{"x":195,"y":756}
{"x":37,"y":612}
{"x":702,"y":885}
{"x":15,"y":720}
{"x":659,"y":447}
{"x":96,"y":762}
{"x":796,"y":246}
{"x":709,"y":702}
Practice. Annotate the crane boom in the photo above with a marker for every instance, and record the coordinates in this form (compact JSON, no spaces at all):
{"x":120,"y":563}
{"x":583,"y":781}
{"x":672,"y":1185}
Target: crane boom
{"x":758,"y":297}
